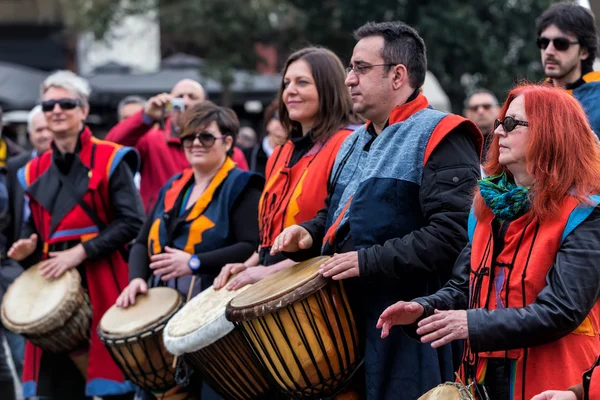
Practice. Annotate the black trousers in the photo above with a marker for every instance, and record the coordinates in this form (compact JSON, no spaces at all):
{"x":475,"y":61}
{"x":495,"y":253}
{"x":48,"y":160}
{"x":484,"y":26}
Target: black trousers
{"x":7,"y":386}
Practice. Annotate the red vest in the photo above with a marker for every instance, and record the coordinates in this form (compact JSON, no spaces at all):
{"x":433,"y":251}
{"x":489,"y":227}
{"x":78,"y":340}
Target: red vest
{"x":106,"y":277}
{"x":531,"y":251}
{"x":293,"y":195}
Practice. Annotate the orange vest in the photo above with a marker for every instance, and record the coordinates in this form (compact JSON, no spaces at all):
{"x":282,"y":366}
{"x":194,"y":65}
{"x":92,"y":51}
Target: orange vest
{"x":295,"y":194}
{"x":519,"y":274}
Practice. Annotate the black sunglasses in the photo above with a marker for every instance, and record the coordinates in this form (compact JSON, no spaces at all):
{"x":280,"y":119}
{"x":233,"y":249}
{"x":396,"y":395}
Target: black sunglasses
{"x":509,"y":124}
{"x":560,"y":43}
{"x":64,"y":104}
{"x":207,"y":139}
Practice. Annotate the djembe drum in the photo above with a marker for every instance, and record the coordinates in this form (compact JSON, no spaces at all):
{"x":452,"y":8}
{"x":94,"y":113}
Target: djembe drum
{"x":53,"y":314}
{"x":133,"y":337}
{"x":448,"y":391}
{"x":215,"y":348}
{"x":302,"y":328}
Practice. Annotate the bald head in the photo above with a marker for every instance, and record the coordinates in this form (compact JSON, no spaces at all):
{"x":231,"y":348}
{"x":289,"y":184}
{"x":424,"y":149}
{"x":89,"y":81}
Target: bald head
{"x":190,"y":91}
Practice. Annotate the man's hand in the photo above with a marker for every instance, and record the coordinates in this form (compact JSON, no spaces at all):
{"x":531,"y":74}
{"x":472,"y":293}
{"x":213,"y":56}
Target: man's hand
{"x":155,"y":106}
{"x":292,"y":239}
{"x":62,"y":261}
{"x":401,"y":313}
{"x":555,"y":395}
{"x":443,"y":327}
{"x":249,"y":276}
{"x":23,"y":248}
{"x":171,"y":264}
{"x":341,"y":266}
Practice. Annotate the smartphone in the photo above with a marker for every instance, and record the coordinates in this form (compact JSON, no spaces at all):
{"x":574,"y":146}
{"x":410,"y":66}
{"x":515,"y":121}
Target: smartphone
{"x":176,"y":104}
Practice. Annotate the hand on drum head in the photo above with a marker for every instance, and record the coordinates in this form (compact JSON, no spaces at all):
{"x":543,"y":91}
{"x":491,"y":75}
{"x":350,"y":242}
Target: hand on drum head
{"x":249,"y":276}
{"x":400,"y":313}
{"x":443,"y":327}
{"x":62,"y":261}
{"x":227,"y":271}
{"x":128,"y":295}
{"x":171,"y":264}
{"x":341,"y":266}
{"x":292,"y":239}
{"x":555,"y":395}
{"x":23,"y":248}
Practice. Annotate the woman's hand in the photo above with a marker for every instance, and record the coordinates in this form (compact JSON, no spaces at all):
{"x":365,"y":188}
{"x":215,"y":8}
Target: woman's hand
{"x":443,"y":327}
{"x":292,"y":239}
{"x":62,"y":261}
{"x":249,"y":276}
{"x":401,"y":313}
{"x":555,"y":395}
{"x":23,"y":248}
{"x":171,"y":264}
{"x":227,"y":271}
{"x":128,"y":295}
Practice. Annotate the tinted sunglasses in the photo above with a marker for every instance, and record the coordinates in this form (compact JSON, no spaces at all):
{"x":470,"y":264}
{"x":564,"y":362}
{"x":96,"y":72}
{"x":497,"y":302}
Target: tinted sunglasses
{"x":560,"y":43}
{"x":486,"y":107}
{"x":64,"y":104}
{"x":509,"y":124}
{"x":207,"y":139}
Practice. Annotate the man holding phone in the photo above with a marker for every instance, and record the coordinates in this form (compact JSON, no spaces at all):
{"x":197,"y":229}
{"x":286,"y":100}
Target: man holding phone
{"x":153,"y":132}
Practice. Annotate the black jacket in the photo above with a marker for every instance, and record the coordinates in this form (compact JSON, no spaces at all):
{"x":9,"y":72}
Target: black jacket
{"x":572,"y":289}
{"x":16,"y":197}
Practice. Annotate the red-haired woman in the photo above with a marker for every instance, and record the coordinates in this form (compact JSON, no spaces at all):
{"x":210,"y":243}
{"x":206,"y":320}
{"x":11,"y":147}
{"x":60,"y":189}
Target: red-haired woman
{"x":525,"y":289}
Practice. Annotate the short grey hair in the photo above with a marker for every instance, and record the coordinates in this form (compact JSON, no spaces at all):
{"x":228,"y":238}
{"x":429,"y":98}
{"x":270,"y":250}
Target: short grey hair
{"x":34,"y":111}
{"x":130,"y":100}
{"x":481,"y":91}
{"x":71,"y":82}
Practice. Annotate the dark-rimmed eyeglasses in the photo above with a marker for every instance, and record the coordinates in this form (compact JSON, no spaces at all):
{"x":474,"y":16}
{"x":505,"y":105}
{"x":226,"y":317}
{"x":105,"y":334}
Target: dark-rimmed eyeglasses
{"x":560,"y":43}
{"x":361,"y":69}
{"x":206,"y":139}
{"x":485,"y":106}
{"x":64,"y":104}
{"x":509,"y":124}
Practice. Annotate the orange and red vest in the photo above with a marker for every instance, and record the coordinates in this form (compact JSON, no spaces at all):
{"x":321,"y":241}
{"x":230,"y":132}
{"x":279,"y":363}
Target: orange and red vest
{"x":295,"y":194}
{"x":519,"y":272}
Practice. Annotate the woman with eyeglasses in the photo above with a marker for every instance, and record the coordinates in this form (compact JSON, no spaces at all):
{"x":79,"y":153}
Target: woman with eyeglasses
{"x":204,"y":218}
{"x":524,"y":293}
{"x":315,"y":108}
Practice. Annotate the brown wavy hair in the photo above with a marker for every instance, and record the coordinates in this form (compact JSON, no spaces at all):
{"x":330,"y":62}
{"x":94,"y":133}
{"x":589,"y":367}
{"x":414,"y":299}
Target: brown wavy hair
{"x":335,"y":104}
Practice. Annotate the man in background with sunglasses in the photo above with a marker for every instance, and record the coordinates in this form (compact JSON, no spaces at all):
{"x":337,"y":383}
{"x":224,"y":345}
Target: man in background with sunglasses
{"x":568,"y":43}
{"x":482,"y":108}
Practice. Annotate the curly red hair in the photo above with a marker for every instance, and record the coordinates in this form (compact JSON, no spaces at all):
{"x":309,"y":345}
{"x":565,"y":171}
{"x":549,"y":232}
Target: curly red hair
{"x":563,"y":155}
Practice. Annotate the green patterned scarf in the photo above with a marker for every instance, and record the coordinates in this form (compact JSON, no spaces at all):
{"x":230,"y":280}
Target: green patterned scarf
{"x":507,"y":200}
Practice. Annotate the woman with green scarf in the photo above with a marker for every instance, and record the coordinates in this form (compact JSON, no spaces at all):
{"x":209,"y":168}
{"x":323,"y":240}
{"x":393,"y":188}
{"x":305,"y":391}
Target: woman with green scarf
{"x":524,"y":293}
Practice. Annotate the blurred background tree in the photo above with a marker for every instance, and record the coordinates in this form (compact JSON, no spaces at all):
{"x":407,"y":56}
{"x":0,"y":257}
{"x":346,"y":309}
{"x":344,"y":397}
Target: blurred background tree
{"x":470,"y":43}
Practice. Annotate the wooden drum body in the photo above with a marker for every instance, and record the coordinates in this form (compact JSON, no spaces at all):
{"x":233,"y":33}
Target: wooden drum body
{"x":301,"y":327}
{"x":52,"y":314}
{"x":215,"y":348}
{"x":133,"y":337}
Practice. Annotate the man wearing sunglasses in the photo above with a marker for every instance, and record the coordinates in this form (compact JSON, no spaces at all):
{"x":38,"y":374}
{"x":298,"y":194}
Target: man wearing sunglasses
{"x":482,"y":108}
{"x":568,"y":44}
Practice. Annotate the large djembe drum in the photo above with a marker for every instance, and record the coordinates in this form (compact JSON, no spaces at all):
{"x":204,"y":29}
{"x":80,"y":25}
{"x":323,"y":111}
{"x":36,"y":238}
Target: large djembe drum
{"x":133,"y":337}
{"x":53,"y":314}
{"x":215,"y":348}
{"x":302,"y":328}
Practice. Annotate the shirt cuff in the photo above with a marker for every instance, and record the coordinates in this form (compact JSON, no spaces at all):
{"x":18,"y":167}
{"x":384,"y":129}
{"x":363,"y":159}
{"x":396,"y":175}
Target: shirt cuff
{"x":147,"y":119}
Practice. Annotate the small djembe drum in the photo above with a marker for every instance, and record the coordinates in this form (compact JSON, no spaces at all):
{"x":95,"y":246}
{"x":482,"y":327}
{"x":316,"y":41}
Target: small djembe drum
{"x":448,"y":391}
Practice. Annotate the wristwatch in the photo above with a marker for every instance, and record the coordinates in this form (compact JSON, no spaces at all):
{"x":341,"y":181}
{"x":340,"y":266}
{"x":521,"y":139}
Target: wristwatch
{"x":194,"y":263}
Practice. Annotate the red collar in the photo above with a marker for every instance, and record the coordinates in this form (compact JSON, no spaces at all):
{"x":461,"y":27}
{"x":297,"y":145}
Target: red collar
{"x":404,"y":111}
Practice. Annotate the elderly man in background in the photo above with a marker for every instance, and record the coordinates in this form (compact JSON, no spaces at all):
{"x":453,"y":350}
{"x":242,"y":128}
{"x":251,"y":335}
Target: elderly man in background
{"x":482,"y":108}
{"x":129,"y":106}
{"x":159,"y":146}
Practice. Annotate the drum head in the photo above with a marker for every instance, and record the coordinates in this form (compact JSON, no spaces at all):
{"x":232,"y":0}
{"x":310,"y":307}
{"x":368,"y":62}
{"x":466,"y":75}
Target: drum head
{"x":32,"y":298}
{"x":278,"y":290}
{"x":201,"y":322}
{"x":447,"y":391}
{"x":150,"y":310}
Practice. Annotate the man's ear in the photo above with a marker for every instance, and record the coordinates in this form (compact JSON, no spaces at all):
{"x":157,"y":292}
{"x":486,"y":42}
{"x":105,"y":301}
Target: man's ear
{"x":400,"y":76}
{"x":584,"y":53}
